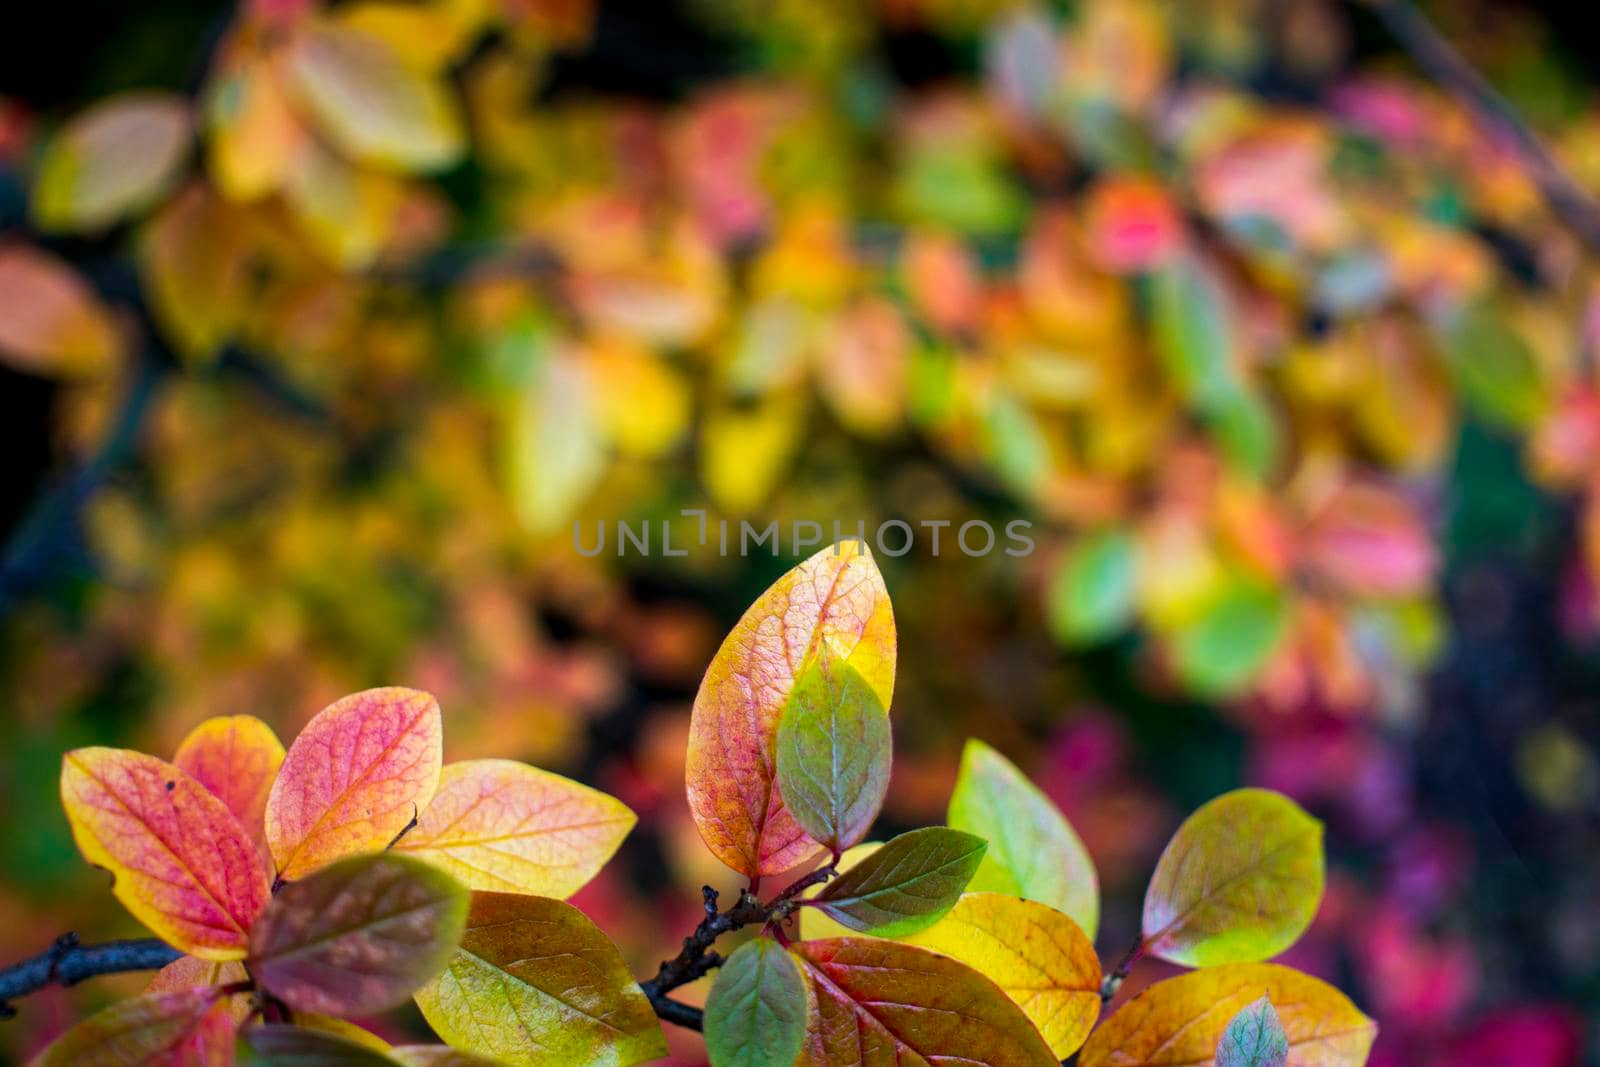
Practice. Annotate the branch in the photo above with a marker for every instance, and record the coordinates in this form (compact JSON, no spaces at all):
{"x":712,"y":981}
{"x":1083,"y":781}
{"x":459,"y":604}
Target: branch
{"x":67,"y":963}
{"x":1433,"y":52}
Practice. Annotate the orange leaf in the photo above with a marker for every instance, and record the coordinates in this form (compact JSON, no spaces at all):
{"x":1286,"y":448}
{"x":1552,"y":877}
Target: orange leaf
{"x":886,"y":1002}
{"x":236,"y":757}
{"x":508,"y":827}
{"x":183,"y":865}
{"x":354,"y":778}
{"x":50,"y":321}
{"x":1180,"y":1020}
{"x":836,"y":599}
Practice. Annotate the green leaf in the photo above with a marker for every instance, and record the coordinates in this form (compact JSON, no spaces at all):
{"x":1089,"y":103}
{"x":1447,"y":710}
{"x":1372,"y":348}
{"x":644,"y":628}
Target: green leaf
{"x":1255,"y":1038}
{"x":756,"y":1013}
{"x":293,"y":1046}
{"x":359,"y":936}
{"x":1244,"y":425}
{"x":536,"y":984}
{"x":1092,"y":594}
{"x":1238,"y":883}
{"x":906,"y":885}
{"x":189,"y":1025}
{"x":1223,"y":650}
{"x":833,"y":753}
{"x":1494,"y":366}
{"x":1033,"y":851}
{"x":1189,"y":320}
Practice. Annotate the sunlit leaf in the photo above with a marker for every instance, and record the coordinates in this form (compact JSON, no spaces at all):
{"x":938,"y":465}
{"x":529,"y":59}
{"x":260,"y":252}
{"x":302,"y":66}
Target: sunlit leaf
{"x":1255,"y":1038}
{"x":555,"y":454}
{"x":833,"y":753}
{"x":357,"y":775}
{"x":879,"y":1001}
{"x":51,"y":323}
{"x":1092,"y":595}
{"x":1239,"y":882}
{"x":236,"y":757}
{"x":359,"y":936}
{"x":1181,"y":1020}
{"x":906,"y":885}
{"x":1494,"y":366}
{"x":1033,"y":851}
{"x":182,"y":863}
{"x":332,"y":1024}
{"x":350,"y":212}
{"x":112,"y":161}
{"x":195,"y":256}
{"x":744,"y":452}
{"x":834,"y":600}
{"x":1192,"y":334}
{"x":505,"y":826}
{"x":297,"y":1046}
{"x":1222,"y":650}
{"x":188,"y":1028}
{"x":437,"y":1056}
{"x":370,"y":103}
{"x":1036,"y":955}
{"x":757,"y":1010}
{"x":536,"y":984}
{"x":254,"y":134}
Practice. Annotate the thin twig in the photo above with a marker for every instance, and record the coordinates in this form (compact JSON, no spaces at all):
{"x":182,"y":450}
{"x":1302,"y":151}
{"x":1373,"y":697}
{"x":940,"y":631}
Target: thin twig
{"x":66,"y":963}
{"x":1440,"y":60}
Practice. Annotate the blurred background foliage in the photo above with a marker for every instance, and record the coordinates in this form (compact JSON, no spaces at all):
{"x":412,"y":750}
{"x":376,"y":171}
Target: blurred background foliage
{"x":322,"y":324}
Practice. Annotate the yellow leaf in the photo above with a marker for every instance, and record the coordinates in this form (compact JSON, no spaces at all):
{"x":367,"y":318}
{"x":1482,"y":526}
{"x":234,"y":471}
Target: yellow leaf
{"x":501,"y":825}
{"x":195,"y":258}
{"x":370,"y":103}
{"x":1179,"y":1021}
{"x":1039,"y":957}
{"x":254,"y":135}
{"x":745,"y":452}
{"x":115,"y":159}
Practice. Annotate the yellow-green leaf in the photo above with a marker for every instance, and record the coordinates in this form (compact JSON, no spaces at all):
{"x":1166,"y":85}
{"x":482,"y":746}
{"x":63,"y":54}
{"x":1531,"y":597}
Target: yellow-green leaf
{"x":757,"y":1010}
{"x":296,"y":1046}
{"x":1239,"y":882}
{"x":115,"y":159}
{"x":536,"y":984}
{"x":834,"y":752}
{"x":882,"y":1002}
{"x":1033,"y":851}
{"x":1039,"y":957}
{"x":1181,"y":1020}
{"x":906,"y":885}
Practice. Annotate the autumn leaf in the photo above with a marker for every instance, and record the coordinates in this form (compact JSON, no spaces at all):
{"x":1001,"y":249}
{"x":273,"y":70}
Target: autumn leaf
{"x":536,"y":984}
{"x":114,"y":160}
{"x":880,"y":1001}
{"x":51,"y":322}
{"x":1181,"y":1020}
{"x":182,"y":864}
{"x":359,"y":936}
{"x":354,"y":778}
{"x":1221,"y":651}
{"x":833,"y":753}
{"x":1255,"y":1038}
{"x":1033,"y":851}
{"x":1239,"y":882}
{"x":756,"y":1013}
{"x":253,"y":131}
{"x":349,"y":1031}
{"x":195,"y":259}
{"x":437,"y":1056}
{"x":192,"y":972}
{"x":186,"y":1028}
{"x":297,"y":1046}
{"x":554,"y":447}
{"x":906,"y":885}
{"x":1038,"y":957}
{"x":508,"y":827}
{"x":1190,"y":323}
{"x":236,"y":757}
{"x":835,"y":600}
{"x":744,"y":450}
{"x":370,"y":103}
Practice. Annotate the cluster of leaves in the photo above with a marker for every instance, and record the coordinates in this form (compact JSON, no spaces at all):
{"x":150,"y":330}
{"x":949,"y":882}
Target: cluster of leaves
{"x":352,"y":873}
{"x":1217,"y":343}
